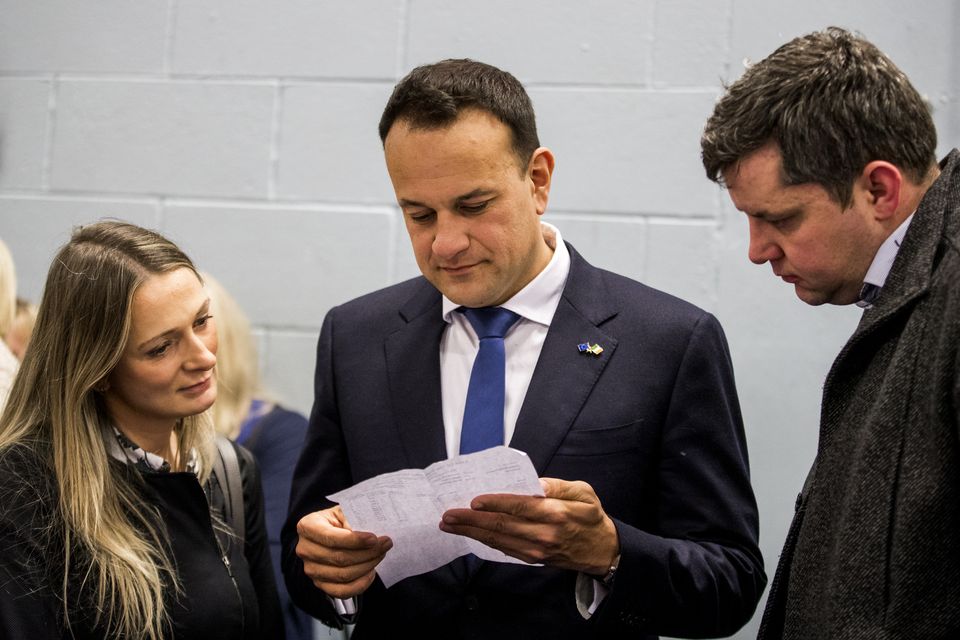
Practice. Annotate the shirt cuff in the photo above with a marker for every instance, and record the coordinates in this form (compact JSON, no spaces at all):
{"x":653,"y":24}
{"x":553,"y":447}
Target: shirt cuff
{"x":346,"y":608}
{"x":590,"y":593}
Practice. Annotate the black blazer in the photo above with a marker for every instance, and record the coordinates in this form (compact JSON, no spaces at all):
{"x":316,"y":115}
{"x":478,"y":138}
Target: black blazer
{"x":653,"y":424}
{"x":210,"y":605}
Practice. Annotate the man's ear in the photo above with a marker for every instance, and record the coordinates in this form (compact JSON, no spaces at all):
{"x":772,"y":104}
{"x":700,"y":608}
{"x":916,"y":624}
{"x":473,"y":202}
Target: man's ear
{"x":540,"y":172}
{"x":881,"y":182}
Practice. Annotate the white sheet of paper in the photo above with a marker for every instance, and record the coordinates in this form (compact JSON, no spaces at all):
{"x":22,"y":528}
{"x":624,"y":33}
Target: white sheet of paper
{"x":407,"y":506}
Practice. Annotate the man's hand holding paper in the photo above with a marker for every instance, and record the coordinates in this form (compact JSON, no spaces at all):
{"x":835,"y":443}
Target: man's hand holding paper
{"x":567,"y":528}
{"x":339,"y":561}
{"x":405,"y":507}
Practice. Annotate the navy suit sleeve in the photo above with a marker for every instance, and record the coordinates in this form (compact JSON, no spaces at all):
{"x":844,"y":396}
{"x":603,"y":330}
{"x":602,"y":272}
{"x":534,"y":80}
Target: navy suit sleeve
{"x":322,"y":463}
{"x":695,"y":570}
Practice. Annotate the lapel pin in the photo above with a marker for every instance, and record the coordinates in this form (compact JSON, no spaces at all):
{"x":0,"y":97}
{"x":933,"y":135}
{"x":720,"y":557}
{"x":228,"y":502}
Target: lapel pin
{"x":586,"y":347}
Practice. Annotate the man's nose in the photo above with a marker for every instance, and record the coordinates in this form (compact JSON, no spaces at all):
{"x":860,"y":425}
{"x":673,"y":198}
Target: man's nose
{"x":762,"y":247}
{"x":452,"y":236}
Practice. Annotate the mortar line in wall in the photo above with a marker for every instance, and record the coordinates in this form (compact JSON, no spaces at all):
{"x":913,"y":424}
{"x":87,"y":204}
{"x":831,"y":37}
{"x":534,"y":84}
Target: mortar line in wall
{"x":282,"y":205}
{"x":629,"y":216}
{"x":169,"y":38}
{"x":47,"y":168}
{"x":273,"y":161}
{"x":159,"y":210}
{"x":719,"y":197}
{"x":238,"y":80}
{"x":170,"y":78}
{"x":651,"y":44}
{"x":64,"y":196}
{"x":728,"y":41}
{"x":13,"y":74}
{"x":402,"y":39}
{"x":196,"y":200}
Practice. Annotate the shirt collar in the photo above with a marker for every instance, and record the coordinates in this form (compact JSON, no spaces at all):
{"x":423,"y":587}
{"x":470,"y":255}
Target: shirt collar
{"x":126,"y":450}
{"x":539,"y":299}
{"x":883,"y":261}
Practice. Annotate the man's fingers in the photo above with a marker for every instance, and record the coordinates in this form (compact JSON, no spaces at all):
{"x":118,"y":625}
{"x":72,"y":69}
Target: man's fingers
{"x":346,"y":590}
{"x":566,"y":528}
{"x":329,"y":528}
{"x":576,"y":490}
{"x":342,"y":556}
{"x":526,"y":549}
{"x":344,"y":571}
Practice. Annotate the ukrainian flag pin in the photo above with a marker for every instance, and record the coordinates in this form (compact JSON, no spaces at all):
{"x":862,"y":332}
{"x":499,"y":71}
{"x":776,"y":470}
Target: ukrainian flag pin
{"x":593,"y":349}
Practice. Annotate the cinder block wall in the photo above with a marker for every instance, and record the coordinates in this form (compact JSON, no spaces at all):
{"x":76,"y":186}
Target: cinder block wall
{"x":246,"y":131}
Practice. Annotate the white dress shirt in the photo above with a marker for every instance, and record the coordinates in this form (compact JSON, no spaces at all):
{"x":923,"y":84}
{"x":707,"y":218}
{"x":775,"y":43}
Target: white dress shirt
{"x":535,"y":304}
{"x":883,"y":261}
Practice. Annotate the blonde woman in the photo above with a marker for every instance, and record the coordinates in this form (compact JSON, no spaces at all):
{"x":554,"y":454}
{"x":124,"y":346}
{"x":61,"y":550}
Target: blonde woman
{"x":271,"y":433}
{"x":111,"y":522}
{"x":18,"y":337}
{"x":8,"y":305}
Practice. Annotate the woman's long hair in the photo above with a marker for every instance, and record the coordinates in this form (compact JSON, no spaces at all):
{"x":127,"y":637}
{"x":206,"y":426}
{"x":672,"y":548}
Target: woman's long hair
{"x":83,"y":324}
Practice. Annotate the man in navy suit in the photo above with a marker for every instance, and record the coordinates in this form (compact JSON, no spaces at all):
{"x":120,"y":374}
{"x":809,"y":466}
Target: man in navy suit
{"x":648,"y":524}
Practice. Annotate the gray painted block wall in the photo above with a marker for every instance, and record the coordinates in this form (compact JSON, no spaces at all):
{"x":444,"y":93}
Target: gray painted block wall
{"x":247,"y":133}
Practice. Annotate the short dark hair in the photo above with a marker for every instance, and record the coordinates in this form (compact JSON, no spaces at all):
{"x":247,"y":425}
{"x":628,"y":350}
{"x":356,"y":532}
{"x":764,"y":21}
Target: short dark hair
{"x":832,"y":102}
{"x":433,"y":96}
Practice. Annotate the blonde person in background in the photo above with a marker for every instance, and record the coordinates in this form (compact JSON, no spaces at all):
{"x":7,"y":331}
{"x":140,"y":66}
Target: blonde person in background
{"x":18,"y":337}
{"x":8,"y":304}
{"x":113,"y":518}
{"x":273,"y":434}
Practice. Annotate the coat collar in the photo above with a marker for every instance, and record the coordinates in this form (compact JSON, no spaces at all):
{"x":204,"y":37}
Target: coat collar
{"x":911,"y":273}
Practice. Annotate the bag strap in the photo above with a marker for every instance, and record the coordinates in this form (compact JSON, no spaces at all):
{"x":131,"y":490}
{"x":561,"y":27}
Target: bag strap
{"x":227,"y":468}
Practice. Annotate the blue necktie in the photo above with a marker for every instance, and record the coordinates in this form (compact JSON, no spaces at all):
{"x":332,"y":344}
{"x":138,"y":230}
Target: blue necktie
{"x":483,"y":413}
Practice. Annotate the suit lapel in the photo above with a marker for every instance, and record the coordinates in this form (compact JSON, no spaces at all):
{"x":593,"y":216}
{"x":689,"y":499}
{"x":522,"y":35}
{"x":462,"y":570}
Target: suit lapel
{"x":564,"y":377}
{"x":413,"y":369}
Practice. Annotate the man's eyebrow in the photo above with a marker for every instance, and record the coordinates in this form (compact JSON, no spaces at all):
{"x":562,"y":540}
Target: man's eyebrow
{"x":476,"y":193}
{"x":767,"y":215}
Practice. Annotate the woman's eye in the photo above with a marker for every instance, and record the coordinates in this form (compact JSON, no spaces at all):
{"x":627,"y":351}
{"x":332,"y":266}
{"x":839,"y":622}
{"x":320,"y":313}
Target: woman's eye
{"x":158,"y":351}
{"x":202,"y":321}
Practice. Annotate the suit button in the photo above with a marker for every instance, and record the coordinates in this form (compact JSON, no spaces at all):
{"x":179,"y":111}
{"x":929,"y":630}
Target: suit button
{"x":471,"y":603}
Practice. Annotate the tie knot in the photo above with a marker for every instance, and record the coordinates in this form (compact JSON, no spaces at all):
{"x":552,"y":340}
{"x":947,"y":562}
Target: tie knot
{"x":868,"y":295}
{"x":490,"y":322}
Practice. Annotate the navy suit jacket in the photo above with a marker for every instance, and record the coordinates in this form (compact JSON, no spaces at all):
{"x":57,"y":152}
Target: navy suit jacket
{"x":652,"y":424}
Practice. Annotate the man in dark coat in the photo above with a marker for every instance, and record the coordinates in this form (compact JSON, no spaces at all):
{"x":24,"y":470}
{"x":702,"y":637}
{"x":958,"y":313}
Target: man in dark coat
{"x":622,"y":397}
{"x":829,"y":150}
